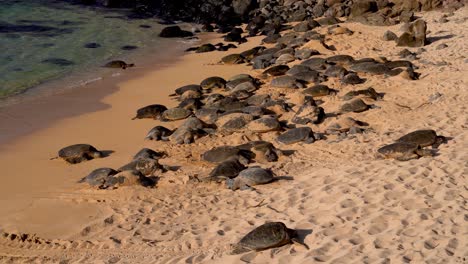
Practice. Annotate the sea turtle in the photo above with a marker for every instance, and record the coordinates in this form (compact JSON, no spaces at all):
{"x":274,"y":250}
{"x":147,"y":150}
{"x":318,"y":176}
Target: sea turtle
{"x":208,"y":115}
{"x":250,"y":177}
{"x":268,"y":235}
{"x":130,"y":178}
{"x":241,"y":76}
{"x":98,"y":177}
{"x":241,"y":94}
{"x":371,"y":68}
{"x":297,"y":69}
{"x":151,"y":111}
{"x":336,"y":71}
{"x":311,"y":76}
{"x":319,"y":90}
{"x":315,"y":63}
{"x":176,"y":113}
{"x":255,"y":111}
{"x":352,"y":78}
{"x":276,"y":70}
{"x":233,"y":59}
{"x":309,"y":112}
{"x":233,"y":122}
{"x":264,"y":124}
{"x":263,"y":151}
{"x":191,"y":104}
{"x":146,"y":153}
{"x":227,"y":169}
{"x":159,"y":133}
{"x":343,"y":125}
{"x":118,"y":64}
{"x":79,"y":152}
{"x":340,"y":59}
{"x":205,"y":48}
{"x":234,"y":83}
{"x":295,"y":135}
{"x":356,"y":106}
{"x":191,"y":87}
{"x":258,"y":99}
{"x":403,"y":151}
{"x":145,"y":166}
{"x":423,"y":138}
{"x":286,"y":82}
{"x":214,"y":82}
{"x":251,"y":53}
{"x":285,"y":58}
{"x":190,"y":130}
{"x":248,"y":86}
{"x":369,"y":93}
{"x":222,"y":153}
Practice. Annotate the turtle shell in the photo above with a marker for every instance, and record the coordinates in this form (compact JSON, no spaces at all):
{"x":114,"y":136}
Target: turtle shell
{"x":296,"y":135}
{"x":422,"y":138}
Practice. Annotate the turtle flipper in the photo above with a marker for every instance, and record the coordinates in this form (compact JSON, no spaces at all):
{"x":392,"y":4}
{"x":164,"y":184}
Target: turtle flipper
{"x":54,"y":158}
{"x":296,"y":241}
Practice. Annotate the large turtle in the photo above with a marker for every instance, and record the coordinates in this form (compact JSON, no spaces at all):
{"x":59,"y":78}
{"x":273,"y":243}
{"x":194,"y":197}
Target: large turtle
{"x":264,"y":124}
{"x":98,"y":177}
{"x":208,"y":115}
{"x":118,"y":64}
{"x":214,"y":82}
{"x":191,"y":87}
{"x":145,"y":166}
{"x":268,"y":235}
{"x":352,"y":78}
{"x":129,"y":178}
{"x":286,"y":81}
{"x":319,"y":90}
{"x":263,"y":151}
{"x":146,"y":153}
{"x":276,"y":70}
{"x":176,"y":113}
{"x":335,"y":71}
{"x":250,"y":177}
{"x":403,"y":151}
{"x":233,"y":59}
{"x":222,"y":153}
{"x":295,"y":135}
{"x":369,"y":93}
{"x":151,"y":111}
{"x":227,"y":169}
{"x":423,"y":138}
{"x":79,"y":152}
{"x":159,"y":133}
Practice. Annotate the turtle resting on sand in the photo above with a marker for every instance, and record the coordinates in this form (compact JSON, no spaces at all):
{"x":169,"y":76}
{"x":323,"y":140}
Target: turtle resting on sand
{"x":356,"y":105}
{"x":79,"y":152}
{"x":151,"y":111}
{"x":176,"y":113}
{"x":263,"y":151}
{"x":118,"y":64}
{"x":146,"y":153}
{"x":403,"y":151}
{"x":423,"y":138}
{"x":268,"y":235}
{"x":222,"y":153}
{"x":159,"y":133}
{"x":296,"y":135}
{"x":98,"y":177}
{"x":145,"y":166}
{"x":250,"y":177}
{"x":227,"y":169}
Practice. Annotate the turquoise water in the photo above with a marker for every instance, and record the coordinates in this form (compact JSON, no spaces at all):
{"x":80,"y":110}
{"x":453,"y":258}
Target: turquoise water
{"x":43,"y":40}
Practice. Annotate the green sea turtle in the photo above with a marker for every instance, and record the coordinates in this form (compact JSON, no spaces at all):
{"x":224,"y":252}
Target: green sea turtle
{"x":317,"y":64}
{"x":268,"y":235}
{"x":356,"y":106}
{"x":130,"y":178}
{"x":79,"y":152}
{"x":205,"y":48}
{"x":369,"y":93}
{"x":145,"y":166}
{"x":336,"y":71}
{"x":295,"y":135}
{"x":297,"y":69}
{"x":319,"y":90}
{"x":309,"y":112}
{"x":340,"y":59}
{"x":245,"y":86}
{"x":423,"y":138}
{"x":186,"y":133}
{"x":146,"y":153}
{"x":233,"y":59}
{"x":234,"y":83}
{"x":222,"y":153}
{"x":227,"y":169}
{"x":98,"y":177}
{"x":276,"y":70}
{"x":263,"y":151}
{"x":403,"y":151}
{"x":352,"y":78}
{"x":286,"y":82}
{"x":250,"y":177}
{"x":264,"y":124}
{"x":190,"y":87}
{"x":251,"y":53}
{"x":371,"y":68}
{"x":214,"y":82}
{"x":191,"y":104}
{"x":176,"y":113}
{"x":159,"y":133}
{"x":233,"y":122}
{"x":208,"y":115}
{"x":118,"y":64}
{"x":151,"y":111}
{"x":343,"y":125}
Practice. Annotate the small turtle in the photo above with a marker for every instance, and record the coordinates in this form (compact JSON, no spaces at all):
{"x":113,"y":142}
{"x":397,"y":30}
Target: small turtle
{"x":268,"y":235}
{"x":174,"y":114}
{"x":335,"y":71}
{"x":369,"y":93}
{"x":276,"y":70}
{"x":423,"y":138}
{"x":264,"y":151}
{"x":118,"y":64}
{"x":79,"y":152}
{"x":159,"y":133}
{"x":220,"y":154}
{"x":295,"y":135}
{"x":403,"y":151}
{"x":227,"y":169}
{"x":130,"y":178}
{"x":233,"y":59}
{"x":264,"y":124}
{"x":151,"y":111}
{"x":286,"y":82}
{"x":145,"y":166}
{"x":352,"y":78}
{"x":250,"y":177}
{"x":205,"y":48}
{"x":319,"y":90}
{"x":98,"y":177}
{"x":214,"y":82}
{"x":146,"y":153}
{"x":356,"y":106}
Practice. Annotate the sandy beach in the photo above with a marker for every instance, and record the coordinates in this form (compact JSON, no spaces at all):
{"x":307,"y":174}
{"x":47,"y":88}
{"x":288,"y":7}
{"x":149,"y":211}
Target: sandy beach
{"x":347,"y":205}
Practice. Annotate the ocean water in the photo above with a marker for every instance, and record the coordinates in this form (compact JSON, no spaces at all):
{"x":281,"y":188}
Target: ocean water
{"x":44,"y":40}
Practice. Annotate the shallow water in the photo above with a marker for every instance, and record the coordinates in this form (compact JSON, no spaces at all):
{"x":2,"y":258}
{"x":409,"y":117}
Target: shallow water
{"x":44,"y":40}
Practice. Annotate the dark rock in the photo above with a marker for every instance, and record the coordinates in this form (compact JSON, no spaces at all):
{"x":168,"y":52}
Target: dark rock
{"x":389,"y":36}
{"x":174,"y":32}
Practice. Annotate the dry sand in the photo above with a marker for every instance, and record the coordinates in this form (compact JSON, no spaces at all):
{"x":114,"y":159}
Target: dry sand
{"x":348,"y":206}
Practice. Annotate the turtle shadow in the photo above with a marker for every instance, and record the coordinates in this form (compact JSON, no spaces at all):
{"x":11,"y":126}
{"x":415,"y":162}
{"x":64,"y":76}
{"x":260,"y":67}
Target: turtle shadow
{"x":431,"y":40}
{"x":284,"y":178}
{"x":106,"y":153}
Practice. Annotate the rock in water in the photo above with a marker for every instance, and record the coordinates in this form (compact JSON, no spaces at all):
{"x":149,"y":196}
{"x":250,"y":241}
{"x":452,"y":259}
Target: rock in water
{"x":174,"y":32}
